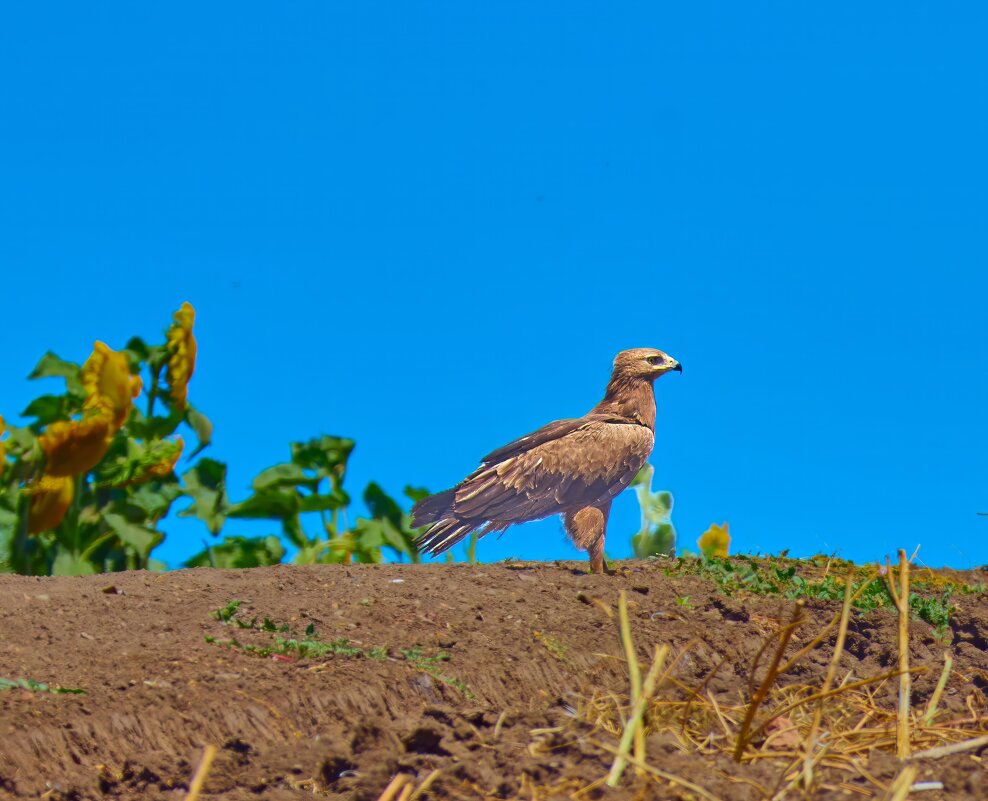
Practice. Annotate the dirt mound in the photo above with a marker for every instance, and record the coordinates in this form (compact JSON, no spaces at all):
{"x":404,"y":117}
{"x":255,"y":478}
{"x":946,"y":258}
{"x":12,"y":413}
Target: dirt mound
{"x":509,"y":680}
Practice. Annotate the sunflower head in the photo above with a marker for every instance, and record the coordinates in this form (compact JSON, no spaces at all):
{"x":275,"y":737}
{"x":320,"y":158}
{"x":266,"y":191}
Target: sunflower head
{"x":51,"y":497}
{"x":73,"y":447}
{"x":110,"y":388}
{"x":181,"y":354}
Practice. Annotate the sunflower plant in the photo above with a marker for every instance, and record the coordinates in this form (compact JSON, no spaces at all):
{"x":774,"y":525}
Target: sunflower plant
{"x":84,"y":486}
{"x":306,"y":498}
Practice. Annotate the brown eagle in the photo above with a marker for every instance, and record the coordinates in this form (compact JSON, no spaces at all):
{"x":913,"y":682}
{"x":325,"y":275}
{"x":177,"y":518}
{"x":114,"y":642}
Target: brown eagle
{"x":574,"y":467}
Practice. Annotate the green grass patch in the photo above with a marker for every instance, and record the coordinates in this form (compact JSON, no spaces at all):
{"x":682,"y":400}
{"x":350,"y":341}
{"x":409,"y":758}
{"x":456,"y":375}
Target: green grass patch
{"x":38,"y":687}
{"x":931,"y":598}
{"x":430,"y":665}
{"x":309,"y":646}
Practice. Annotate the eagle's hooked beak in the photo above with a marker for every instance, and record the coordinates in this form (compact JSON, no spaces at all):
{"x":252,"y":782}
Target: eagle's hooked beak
{"x":678,"y":368}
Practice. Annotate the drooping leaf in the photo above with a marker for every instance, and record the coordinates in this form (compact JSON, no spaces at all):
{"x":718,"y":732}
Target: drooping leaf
{"x":202,"y":427}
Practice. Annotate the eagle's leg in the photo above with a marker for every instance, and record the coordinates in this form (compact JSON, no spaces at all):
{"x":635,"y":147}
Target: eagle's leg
{"x":587,"y":527}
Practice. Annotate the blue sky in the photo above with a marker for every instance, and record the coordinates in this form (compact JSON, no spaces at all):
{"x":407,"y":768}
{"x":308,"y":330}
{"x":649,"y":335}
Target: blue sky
{"x":430,"y":227}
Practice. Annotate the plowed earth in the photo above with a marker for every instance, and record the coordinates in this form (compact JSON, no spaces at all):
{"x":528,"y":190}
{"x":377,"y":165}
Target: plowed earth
{"x":487,"y":673}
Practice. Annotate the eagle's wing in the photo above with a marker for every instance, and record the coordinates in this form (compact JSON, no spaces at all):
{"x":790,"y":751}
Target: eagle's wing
{"x":565,"y":465}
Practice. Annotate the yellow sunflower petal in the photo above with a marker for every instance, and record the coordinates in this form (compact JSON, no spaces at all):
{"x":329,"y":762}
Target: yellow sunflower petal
{"x":715,"y":541}
{"x":73,"y":447}
{"x":182,"y":354}
{"x":51,"y":499}
{"x":108,"y":383}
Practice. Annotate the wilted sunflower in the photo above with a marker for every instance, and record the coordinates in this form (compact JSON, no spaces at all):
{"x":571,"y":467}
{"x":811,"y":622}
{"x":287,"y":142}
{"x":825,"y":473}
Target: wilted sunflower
{"x":109,"y":386}
{"x":182,"y":354}
{"x":51,"y":499}
{"x":73,"y":447}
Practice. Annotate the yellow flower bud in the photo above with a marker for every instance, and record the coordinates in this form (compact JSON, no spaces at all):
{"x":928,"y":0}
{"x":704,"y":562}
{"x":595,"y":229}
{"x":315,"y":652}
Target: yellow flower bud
{"x":715,"y":541}
{"x":182,"y":354}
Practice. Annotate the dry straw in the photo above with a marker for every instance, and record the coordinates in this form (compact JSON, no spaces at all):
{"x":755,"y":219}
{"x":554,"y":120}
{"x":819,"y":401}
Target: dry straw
{"x":820,"y":737}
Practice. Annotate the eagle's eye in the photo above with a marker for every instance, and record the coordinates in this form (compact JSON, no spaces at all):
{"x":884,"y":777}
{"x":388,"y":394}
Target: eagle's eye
{"x":654,"y":360}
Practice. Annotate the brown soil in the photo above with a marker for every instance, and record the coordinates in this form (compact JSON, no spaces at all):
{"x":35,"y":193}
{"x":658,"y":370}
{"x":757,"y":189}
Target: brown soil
{"x":519,"y":708}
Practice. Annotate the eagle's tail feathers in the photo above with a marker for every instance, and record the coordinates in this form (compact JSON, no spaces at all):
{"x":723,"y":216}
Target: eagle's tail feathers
{"x":433,"y":508}
{"x":445,"y":534}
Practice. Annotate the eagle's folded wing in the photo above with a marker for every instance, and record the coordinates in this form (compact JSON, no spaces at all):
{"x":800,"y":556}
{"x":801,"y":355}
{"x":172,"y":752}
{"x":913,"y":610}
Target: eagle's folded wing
{"x":567,"y":464}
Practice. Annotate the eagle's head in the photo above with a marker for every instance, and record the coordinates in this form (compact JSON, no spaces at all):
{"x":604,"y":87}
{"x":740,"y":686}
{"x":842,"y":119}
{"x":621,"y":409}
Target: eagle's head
{"x":647,"y":363}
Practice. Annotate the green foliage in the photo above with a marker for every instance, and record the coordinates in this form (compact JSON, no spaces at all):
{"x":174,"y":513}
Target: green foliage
{"x":37,"y":687}
{"x":306,"y":489}
{"x":105,"y":512}
{"x":430,"y":665}
{"x":238,"y":552}
{"x":112,"y":512}
{"x":657,"y":536}
{"x":930,"y":599}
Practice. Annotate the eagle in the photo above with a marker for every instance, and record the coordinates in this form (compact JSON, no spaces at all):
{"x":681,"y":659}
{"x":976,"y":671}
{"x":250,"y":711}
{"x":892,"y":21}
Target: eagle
{"x":572,"y":467}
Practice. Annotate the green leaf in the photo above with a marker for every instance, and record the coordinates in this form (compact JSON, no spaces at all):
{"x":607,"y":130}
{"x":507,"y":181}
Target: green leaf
{"x":271,"y":504}
{"x":156,"y":427}
{"x":206,"y":485}
{"x":52,"y":366}
{"x":336,"y":499}
{"x":138,"y":348}
{"x":137,"y":463}
{"x":49,"y":408}
{"x":281,"y":475}
{"x":416,"y":494}
{"x":155,"y":498}
{"x":69,"y":563}
{"x":380,"y":504}
{"x":8,"y":531}
{"x":202,"y":427}
{"x":239,"y":552}
{"x":140,"y":538}
{"x":326,"y":455}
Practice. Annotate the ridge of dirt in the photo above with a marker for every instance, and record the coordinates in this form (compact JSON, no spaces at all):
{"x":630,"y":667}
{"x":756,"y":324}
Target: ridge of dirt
{"x":478,"y":671}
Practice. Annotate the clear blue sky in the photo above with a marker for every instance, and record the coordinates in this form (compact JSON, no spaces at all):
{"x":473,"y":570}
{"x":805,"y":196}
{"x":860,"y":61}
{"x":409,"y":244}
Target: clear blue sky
{"x":430,"y":227}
